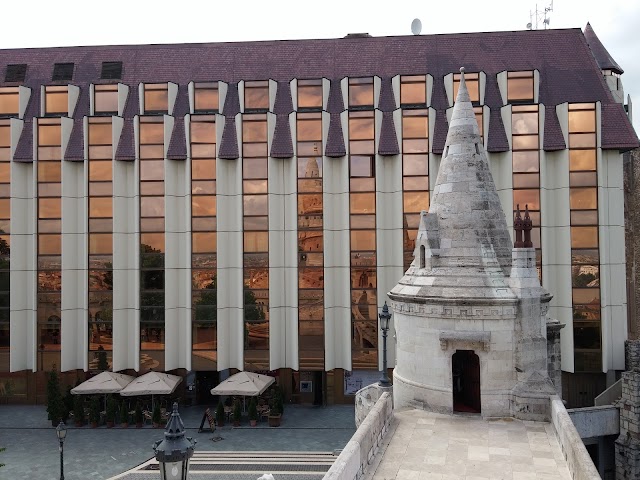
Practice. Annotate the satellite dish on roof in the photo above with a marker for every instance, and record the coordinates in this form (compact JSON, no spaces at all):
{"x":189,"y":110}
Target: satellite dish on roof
{"x":416,"y":26}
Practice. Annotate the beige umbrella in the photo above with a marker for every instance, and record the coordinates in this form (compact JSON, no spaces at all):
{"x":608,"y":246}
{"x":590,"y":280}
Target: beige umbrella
{"x":103,"y":383}
{"x":152,"y":383}
{"x":247,"y":384}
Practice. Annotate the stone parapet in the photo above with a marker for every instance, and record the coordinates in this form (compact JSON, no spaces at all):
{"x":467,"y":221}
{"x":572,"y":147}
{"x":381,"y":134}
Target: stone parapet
{"x":554,"y":354}
{"x":628,"y":443}
{"x":632,"y":355}
{"x":361,"y":449}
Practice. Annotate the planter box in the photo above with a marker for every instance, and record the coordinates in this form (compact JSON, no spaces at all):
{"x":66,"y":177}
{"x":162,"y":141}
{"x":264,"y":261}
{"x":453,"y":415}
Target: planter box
{"x":274,"y":420}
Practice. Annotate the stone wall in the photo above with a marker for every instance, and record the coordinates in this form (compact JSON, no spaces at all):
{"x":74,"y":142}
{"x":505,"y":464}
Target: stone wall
{"x":359,"y":452}
{"x":628,"y":443}
{"x":554,"y":357}
{"x":578,"y":460}
{"x":632,"y":237}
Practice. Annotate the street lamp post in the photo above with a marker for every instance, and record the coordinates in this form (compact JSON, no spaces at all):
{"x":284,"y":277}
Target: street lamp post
{"x":61,"y":432}
{"x":385,"y":316}
{"x":173,"y":453}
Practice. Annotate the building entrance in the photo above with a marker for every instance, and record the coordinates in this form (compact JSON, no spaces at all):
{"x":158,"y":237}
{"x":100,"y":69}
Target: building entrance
{"x":466,"y":381}
{"x":205,"y":381}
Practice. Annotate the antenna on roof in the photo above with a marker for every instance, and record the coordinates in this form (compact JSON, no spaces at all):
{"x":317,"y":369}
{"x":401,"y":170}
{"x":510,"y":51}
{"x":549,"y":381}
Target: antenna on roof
{"x":540,"y":17}
{"x":416,"y":26}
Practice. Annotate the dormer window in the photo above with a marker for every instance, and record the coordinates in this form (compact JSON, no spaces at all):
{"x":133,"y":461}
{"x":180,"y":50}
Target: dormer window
{"x":62,"y":72}
{"x":111,"y":71}
{"x":473,"y":86}
{"x":206,"y":97}
{"x":361,"y":93}
{"x":156,"y":98}
{"x":56,"y":100}
{"x":15,"y":73}
{"x":413,"y":90}
{"x":520,"y":87}
{"x":256,"y":96}
{"x":9,"y":101}
{"x":105,"y":99}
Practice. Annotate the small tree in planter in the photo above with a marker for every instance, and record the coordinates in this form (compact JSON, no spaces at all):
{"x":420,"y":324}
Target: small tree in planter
{"x":78,"y":410}
{"x":278,"y":399}
{"x":253,"y":412}
{"x":55,"y":404}
{"x":68,"y":404}
{"x":237,"y":414}
{"x":124,"y":415}
{"x":220,"y":414}
{"x":138,"y":416}
{"x":275,"y":415}
{"x":156,"y":417}
{"x":111,"y":409}
{"x":94,"y":412}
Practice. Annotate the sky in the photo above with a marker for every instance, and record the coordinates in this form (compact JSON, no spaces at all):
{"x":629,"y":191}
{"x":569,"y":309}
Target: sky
{"x":82,"y":22}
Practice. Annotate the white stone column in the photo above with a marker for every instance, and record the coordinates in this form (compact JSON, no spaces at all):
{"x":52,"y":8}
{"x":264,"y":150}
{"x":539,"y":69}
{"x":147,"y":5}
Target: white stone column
{"x":23,"y":297}
{"x":74,"y":329}
{"x":126,"y":256}
{"x":337,"y":271}
{"x":230,"y":255}
{"x":177,"y":257}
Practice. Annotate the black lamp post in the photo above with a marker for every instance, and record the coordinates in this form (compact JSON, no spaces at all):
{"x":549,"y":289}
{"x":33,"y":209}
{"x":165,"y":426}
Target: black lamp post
{"x":385,"y":316}
{"x":61,"y":432}
{"x":173,"y":453}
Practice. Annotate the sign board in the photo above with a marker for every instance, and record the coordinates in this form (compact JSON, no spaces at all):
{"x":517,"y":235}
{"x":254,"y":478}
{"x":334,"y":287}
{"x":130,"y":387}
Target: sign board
{"x":357,"y":379}
{"x":209,"y":417}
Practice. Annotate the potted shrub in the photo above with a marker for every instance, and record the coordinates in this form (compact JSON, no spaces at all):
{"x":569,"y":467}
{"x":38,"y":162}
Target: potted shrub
{"x":237,"y":414}
{"x":68,"y":404}
{"x":253,"y":412}
{"x":220,"y":414}
{"x":275,"y":415}
{"x":110,"y":413}
{"x":124,"y":415}
{"x":156,"y":417}
{"x":78,"y":410}
{"x":94,"y":412}
{"x":278,"y":399}
{"x":55,"y":403}
{"x":138,"y":416}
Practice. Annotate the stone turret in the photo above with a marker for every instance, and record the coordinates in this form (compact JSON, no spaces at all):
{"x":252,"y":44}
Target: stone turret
{"x":470,"y":314}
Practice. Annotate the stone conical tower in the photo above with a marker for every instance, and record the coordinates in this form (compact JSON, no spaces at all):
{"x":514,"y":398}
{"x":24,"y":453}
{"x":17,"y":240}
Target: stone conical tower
{"x":469,"y":336}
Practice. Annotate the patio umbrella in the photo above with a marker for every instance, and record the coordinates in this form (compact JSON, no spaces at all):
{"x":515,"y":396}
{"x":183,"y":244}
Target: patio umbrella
{"x":247,"y":384}
{"x":103,"y":383}
{"x":152,"y":383}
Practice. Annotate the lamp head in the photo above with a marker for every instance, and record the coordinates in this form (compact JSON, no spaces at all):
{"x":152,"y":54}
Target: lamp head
{"x":61,"y":431}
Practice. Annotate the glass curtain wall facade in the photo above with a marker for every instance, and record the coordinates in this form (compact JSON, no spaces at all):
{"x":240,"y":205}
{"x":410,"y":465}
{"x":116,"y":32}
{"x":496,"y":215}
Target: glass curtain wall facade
{"x":203,"y":240}
{"x":5,"y":236}
{"x":362,"y":209}
{"x":152,"y":245}
{"x":100,"y":286}
{"x":49,"y":298}
{"x":255,"y":169}
{"x":310,"y":233}
{"x":585,"y":254}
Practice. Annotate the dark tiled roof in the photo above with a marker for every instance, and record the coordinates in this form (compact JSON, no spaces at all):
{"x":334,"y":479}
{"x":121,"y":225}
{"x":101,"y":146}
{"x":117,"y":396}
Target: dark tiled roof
{"x":335,"y":104}
{"x":387,"y":102}
{"x":553,"y":138}
{"x":282,"y":147}
{"x":283,"y":103}
{"x":617,"y":131}
{"x":229,"y":143}
{"x":388,"y":138}
{"x":231,"y":102}
{"x":440,"y":129}
{"x":335,"y":138}
{"x":568,"y":69}
{"x":496,"y":136}
{"x":178,"y":143}
{"x":24,"y":149}
{"x":602,"y":56}
{"x":126,"y":149}
{"x":75,"y":147}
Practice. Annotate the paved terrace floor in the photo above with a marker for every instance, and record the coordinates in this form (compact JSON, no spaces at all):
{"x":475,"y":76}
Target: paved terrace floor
{"x":430,"y":446}
{"x":97,"y":454}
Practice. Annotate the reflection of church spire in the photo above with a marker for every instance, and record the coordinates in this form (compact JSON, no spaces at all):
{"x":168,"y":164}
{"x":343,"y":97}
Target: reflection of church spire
{"x":312,"y":170}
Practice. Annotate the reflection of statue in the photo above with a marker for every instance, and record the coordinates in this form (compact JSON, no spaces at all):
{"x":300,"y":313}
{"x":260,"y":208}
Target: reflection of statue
{"x":311,"y":169}
{"x":364,"y":279}
{"x":363,"y":305}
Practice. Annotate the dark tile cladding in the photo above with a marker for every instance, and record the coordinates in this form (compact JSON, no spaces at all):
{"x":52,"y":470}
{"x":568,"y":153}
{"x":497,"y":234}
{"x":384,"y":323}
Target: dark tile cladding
{"x":282,"y":146}
{"x":553,"y":138}
{"x":496,"y":136}
{"x":335,"y":138}
{"x":388,"y":137}
{"x":602,"y":56}
{"x":568,"y":70}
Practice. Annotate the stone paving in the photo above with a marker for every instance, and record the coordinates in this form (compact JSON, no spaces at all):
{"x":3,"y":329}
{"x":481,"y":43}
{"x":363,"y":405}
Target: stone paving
{"x":32,"y":447}
{"x":430,"y":446}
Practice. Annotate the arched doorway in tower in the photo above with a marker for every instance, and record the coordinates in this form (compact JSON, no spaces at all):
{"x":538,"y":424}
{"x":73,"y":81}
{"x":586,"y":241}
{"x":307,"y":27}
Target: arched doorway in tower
{"x":466,"y":381}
